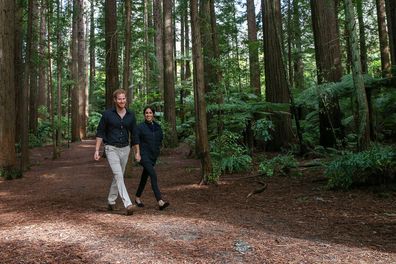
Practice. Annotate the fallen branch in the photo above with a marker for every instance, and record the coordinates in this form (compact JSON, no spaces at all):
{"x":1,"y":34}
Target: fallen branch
{"x":259,"y":190}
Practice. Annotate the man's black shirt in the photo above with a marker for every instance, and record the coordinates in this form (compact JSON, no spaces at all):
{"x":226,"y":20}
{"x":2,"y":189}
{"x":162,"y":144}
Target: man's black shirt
{"x":115,"y":130}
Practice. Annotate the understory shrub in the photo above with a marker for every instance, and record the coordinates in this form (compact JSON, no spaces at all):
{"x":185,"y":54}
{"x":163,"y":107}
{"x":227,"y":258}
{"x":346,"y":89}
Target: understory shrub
{"x":280,"y":164}
{"x":228,"y":155}
{"x":370,"y":167}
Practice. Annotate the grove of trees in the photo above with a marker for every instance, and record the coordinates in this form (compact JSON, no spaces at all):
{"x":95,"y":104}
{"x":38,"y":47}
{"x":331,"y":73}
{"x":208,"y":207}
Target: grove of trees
{"x":229,"y":78}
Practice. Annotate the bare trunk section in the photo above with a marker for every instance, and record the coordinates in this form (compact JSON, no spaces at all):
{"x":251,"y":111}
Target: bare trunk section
{"x":254,"y":67}
{"x":159,"y":45}
{"x":199,"y":98}
{"x":383,"y":39}
{"x":127,"y":51}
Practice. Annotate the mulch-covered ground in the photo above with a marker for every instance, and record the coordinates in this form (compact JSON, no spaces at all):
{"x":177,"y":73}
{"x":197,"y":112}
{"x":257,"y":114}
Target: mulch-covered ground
{"x":57,"y":214}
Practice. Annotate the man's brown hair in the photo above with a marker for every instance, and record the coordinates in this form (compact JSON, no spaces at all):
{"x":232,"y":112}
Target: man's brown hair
{"x":117,"y":92}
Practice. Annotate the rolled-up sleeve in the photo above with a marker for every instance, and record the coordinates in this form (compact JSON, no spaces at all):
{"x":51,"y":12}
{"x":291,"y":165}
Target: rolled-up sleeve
{"x":101,"y":129}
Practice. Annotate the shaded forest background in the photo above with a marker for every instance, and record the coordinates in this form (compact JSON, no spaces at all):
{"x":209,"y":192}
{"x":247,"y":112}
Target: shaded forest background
{"x":235,"y":80}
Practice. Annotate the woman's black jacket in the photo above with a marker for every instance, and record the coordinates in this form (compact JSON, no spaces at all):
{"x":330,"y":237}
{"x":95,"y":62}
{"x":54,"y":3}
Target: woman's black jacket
{"x":150,"y":140}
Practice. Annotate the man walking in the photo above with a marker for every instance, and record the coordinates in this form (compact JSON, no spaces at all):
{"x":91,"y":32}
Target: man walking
{"x":115,"y":128}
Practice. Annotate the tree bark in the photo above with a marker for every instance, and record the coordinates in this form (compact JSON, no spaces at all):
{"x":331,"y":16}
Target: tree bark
{"x":159,"y":44}
{"x":7,"y":88}
{"x":169,"y":76}
{"x":328,"y":60}
{"x":81,"y":70}
{"x":127,"y":51}
{"x":112,"y":82}
{"x":297,"y":55}
{"x":254,"y":67}
{"x":92,"y":67}
{"x":42,"y":84}
{"x":391,"y":19}
{"x":33,"y":72}
{"x":362,"y":116}
{"x":199,"y":91}
{"x":75,"y":118}
{"x":383,"y":39}
{"x":362,"y":42}
{"x":275,"y":74}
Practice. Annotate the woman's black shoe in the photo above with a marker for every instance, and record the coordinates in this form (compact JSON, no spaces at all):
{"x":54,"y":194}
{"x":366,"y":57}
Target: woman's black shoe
{"x":166,"y":204}
{"x":140,"y":204}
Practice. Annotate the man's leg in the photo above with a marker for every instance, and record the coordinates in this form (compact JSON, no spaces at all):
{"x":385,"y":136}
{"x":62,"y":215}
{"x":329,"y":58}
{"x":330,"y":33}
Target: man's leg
{"x":117,"y":162}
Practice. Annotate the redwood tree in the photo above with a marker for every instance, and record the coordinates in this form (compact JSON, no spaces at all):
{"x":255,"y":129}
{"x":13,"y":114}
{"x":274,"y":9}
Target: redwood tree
{"x":7,"y":88}
{"x":328,"y":61}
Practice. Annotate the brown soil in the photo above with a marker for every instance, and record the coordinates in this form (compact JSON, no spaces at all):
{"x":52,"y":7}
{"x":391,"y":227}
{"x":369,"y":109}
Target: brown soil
{"x":57,"y":214}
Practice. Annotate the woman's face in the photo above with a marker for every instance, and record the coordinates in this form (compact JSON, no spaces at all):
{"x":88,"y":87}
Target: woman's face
{"x":148,"y":115}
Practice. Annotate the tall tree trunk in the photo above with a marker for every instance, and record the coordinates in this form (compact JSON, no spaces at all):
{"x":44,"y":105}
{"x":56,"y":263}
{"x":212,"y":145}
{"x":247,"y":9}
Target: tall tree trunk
{"x":297,"y":55}
{"x":362,"y":35}
{"x":55,"y":151}
{"x":112,"y":81}
{"x":391,"y":19}
{"x":81,"y":70}
{"x":127,"y":54}
{"x":146,"y":50}
{"x":199,"y":88}
{"x":42,"y":85}
{"x":59,"y":66}
{"x":254,"y":67}
{"x":275,"y":73}
{"x":33,"y":72}
{"x":92,"y":67}
{"x":169,"y":76}
{"x":383,"y":39}
{"x":7,"y":88}
{"x":75,"y":118}
{"x":363,"y":130}
{"x":159,"y":44}
{"x":207,"y":44}
{"x":26,"y":91}
{"x":19,"y":81}
{"x":187,"y":45}
{"x":328,"y":60}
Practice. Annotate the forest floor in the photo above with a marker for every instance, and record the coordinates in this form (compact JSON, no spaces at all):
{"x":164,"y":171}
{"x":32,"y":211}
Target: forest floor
{"x":57,"y":214}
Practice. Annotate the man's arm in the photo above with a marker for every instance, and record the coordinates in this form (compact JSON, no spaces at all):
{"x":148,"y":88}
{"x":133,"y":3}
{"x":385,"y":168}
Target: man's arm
{"x":97,"y":148}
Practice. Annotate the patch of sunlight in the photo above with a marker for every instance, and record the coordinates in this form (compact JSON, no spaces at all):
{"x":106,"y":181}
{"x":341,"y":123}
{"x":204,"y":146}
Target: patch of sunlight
{"x":188,"y":187}
{"x":48,"y":176}
{"x":3,"y":193}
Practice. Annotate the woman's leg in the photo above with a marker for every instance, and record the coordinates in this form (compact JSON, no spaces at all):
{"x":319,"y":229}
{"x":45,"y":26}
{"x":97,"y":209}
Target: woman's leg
{"x":143,"y":181}
{"x":149,"y":167}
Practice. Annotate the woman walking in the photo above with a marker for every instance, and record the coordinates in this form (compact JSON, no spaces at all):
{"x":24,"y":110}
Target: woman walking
{"x":150,"y":138}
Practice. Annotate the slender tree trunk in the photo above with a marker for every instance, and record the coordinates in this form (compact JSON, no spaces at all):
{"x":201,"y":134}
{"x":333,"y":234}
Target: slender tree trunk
{"x":26,"y":91}
{"x":75,"y":118}
{"x":362,"y":116}
{"x":81,"y":70}
{"x":391,"y":19}
{"x":328,"y":60}
{"x":275,"y":73}
{"x":127,"y":55}
{"x":112,"y":81}
{"x":42,"y":86}
{"x":383,"y":39}
{"x":362,"y":42}
{"x":59,"y":65}
{"x":254,"y":67}
{"x":297,"y":55}
{"x":159,"y":46}
{"x":207,"y":44}
{"x":19,"y":81}
{"x":33,"y":72}
{"x":187,"y":45}
{"x":199,"y":88}
{"x":7,"y":88}
{"x":92,"y":67}
{"x":169,"y":77}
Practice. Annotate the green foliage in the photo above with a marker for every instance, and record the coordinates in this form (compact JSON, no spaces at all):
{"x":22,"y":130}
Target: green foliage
{"x":228,"y":155}
{"x":93,"y":121}
{"x":280,"y":164}
{"x":43,"y":134}
{"x":374,"y":166}
{"x":262,"y":128}
{"x":9,"y":173}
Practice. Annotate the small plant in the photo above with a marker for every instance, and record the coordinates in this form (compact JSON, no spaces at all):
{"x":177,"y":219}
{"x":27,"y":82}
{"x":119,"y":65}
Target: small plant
{"x":281,"y":164}
{"x":228,"y":155}
{"x":371,"y":167}
{"x":262,"y":129}
{"x":10,"y":173}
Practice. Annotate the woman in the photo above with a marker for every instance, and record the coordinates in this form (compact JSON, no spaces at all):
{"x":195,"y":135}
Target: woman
{"x":150,"y":139}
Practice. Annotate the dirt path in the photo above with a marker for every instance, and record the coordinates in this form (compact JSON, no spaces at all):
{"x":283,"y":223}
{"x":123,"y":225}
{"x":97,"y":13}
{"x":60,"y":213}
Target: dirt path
{"x":57,"y":214}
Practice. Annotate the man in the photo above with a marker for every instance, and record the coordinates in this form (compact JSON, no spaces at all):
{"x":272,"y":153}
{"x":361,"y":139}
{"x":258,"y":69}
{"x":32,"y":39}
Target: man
{"x":114,"y":130}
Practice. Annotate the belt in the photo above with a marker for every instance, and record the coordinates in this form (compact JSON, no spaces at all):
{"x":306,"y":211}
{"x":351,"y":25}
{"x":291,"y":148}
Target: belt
{"x":119,"y":145}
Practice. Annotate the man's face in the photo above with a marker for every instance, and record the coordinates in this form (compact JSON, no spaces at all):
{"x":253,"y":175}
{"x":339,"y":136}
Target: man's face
{"x":120,"y":100}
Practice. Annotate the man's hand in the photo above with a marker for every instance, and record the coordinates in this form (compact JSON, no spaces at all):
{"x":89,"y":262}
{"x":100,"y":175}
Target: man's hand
{"x":96,"y":155}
